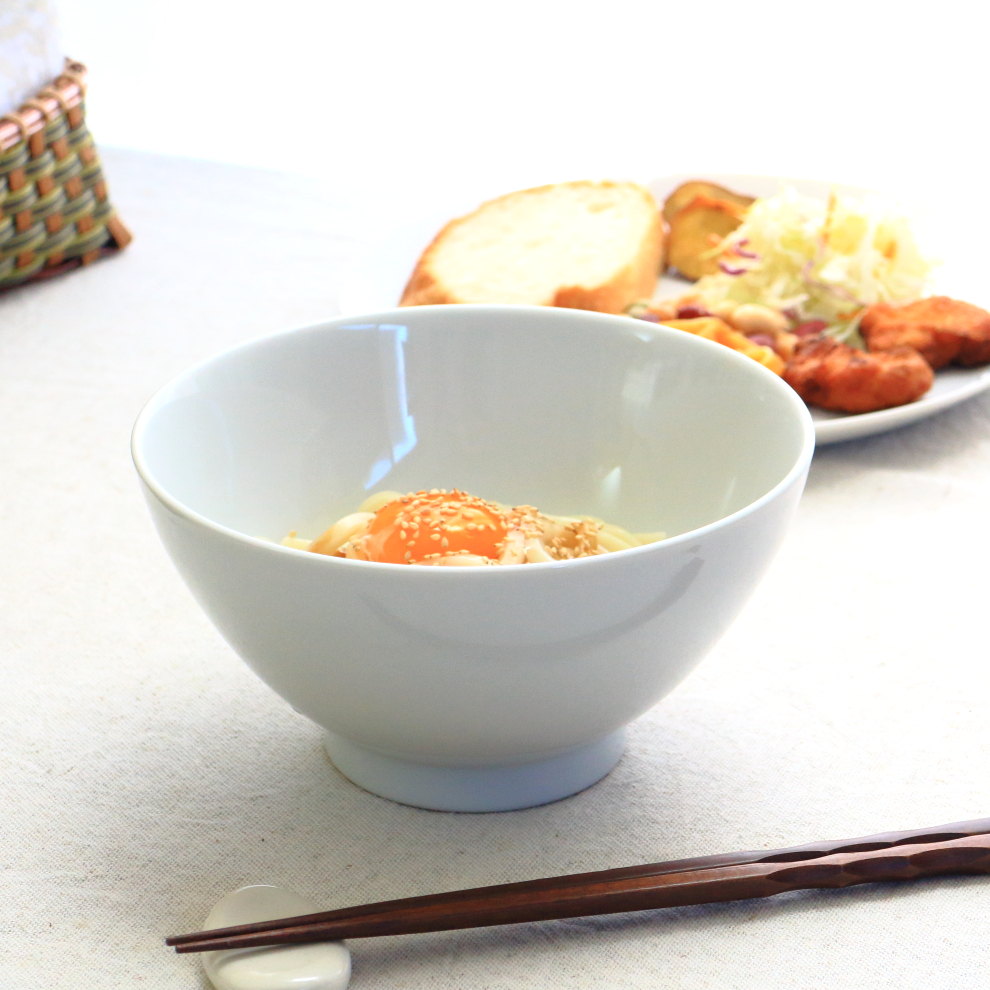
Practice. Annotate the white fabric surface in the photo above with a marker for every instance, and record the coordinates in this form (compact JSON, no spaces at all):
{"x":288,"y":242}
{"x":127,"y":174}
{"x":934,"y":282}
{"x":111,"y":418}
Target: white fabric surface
{"x":146,"y":772}
{"x":31,"y":54}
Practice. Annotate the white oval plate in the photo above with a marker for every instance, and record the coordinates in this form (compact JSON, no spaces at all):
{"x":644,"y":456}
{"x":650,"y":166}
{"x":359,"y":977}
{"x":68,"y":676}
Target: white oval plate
{"x":377,"y":279}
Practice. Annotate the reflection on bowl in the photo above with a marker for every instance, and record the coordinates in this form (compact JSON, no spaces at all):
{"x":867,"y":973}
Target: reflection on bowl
{"x":475,"y":688}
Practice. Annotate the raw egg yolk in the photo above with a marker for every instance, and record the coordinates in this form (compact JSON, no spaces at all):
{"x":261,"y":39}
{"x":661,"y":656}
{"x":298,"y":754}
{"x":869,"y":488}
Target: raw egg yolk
{"x":422,"y":525}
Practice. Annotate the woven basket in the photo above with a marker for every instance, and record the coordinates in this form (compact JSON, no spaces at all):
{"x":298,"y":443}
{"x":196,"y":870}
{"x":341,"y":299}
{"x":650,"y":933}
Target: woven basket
{"x":54,"y":211}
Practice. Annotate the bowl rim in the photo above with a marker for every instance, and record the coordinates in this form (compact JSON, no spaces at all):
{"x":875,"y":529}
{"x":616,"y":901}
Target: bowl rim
{"x":644,"y":329}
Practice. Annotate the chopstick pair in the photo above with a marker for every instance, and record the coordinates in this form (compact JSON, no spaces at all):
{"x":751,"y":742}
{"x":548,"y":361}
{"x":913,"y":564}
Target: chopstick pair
{"x":959,"y":848}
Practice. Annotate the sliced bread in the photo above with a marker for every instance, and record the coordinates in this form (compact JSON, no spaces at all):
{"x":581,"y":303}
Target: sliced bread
{"x":583,"y":245}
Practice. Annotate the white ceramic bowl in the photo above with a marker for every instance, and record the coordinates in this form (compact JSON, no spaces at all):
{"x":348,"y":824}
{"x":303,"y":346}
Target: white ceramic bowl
{"x":474,"y":688}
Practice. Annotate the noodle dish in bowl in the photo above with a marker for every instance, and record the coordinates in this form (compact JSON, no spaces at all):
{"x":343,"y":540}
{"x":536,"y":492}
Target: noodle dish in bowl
{"x":473,"y":542}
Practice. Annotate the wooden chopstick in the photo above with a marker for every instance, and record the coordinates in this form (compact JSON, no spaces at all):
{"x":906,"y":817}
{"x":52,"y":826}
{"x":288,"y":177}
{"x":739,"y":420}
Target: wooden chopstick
{"x":962,"y":847}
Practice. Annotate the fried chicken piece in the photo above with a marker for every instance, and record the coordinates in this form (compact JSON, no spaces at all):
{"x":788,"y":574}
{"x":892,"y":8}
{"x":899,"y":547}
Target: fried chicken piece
{"x":943,"y":330}
{"x":832,"y":375}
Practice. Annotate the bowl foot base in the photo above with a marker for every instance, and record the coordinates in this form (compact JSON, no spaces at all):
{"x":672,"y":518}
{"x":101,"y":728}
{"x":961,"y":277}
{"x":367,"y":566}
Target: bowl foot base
{"x":504,"y":788}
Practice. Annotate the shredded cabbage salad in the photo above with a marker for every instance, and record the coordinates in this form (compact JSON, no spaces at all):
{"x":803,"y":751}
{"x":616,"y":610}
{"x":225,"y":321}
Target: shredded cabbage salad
{"x":816,"y":260}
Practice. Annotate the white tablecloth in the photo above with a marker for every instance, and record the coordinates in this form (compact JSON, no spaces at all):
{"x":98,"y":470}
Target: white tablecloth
{"x":146,"y":771}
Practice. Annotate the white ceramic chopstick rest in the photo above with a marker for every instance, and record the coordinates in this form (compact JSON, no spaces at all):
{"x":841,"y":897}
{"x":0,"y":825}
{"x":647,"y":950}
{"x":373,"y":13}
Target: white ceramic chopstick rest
{"x":314,"y":966}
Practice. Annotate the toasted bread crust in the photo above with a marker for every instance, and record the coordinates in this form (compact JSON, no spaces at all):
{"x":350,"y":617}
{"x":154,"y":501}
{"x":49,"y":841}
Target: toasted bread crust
{"x":632,"y":275}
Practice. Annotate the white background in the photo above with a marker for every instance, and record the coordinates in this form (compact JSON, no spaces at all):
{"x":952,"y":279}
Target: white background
{"x":146,"y":769}
{"x":408,"y":102}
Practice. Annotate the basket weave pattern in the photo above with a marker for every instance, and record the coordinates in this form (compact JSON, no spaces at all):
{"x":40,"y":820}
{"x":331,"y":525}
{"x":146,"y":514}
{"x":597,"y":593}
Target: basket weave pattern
{"x":54,"y":210}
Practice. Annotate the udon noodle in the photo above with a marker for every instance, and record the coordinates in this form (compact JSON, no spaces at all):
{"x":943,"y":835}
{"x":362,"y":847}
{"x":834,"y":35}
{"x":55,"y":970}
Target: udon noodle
{"x":450,"y":528}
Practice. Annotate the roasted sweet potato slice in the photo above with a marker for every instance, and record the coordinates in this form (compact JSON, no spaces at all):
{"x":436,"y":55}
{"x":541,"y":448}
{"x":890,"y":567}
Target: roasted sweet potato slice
{"x":686,"y":192}
{"x":696,"y":229}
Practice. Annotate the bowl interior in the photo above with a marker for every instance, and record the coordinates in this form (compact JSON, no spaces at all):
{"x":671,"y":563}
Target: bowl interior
{"x":574,"y":412}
